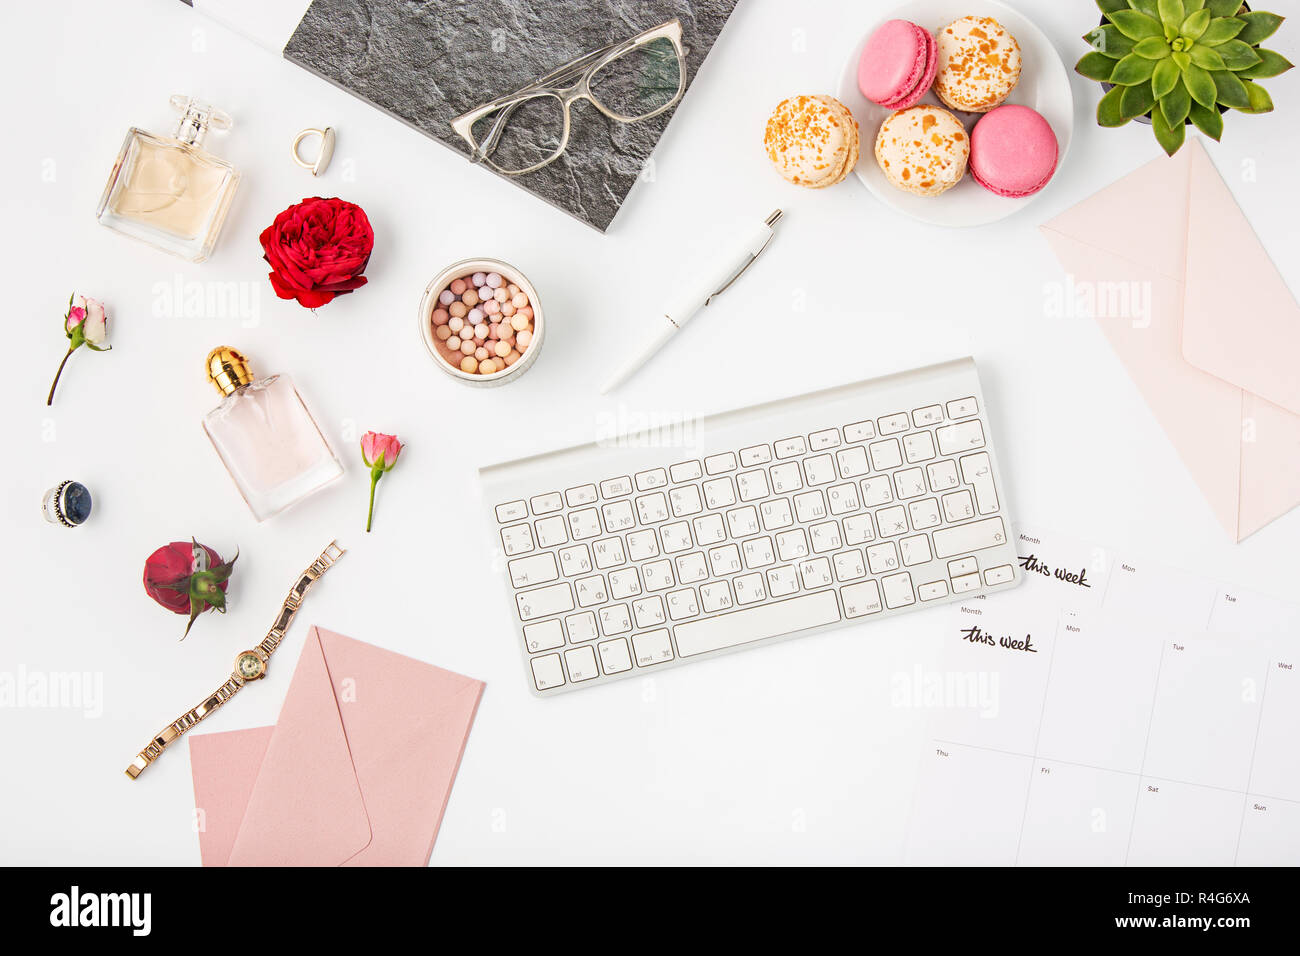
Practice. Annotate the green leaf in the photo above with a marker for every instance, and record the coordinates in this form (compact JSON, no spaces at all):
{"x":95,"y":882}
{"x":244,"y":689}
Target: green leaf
{"x":1200,"y":85}
{"x":1095,"y":66}
{"x":1207,"y":58}
{"x":1209,"y":122}
{"x":1133,"y":69}
{"x":1169,"y":136}
{"x":1270,"y":63}
{"x":1136,"y":26}
{"x":1232,"y":92}
{"x":1165,"y":77}
{"x":1238,"y":55}
{"x":1150,"y":7}
{"x":1196,"y":25}
{"x":1182,"y":59}
{"x":1106,"y":6}
{"x":1176,"y":105}
{"x":1137,"y":100}
{"x":1260,"y":101}
{"x":1223,"y":8}
{"x":1259,"y":26}
{"x":1191,"y":6}
{"x":1171,"y":12}
{"x":1109,"y":110}
{"x":1220,"y":31}
{"x":1108,"y":40}
{"x":1152,"y":48}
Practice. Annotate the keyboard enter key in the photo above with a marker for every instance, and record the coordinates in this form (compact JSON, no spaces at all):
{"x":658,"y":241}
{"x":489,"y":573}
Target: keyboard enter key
{"x":966,"y":538}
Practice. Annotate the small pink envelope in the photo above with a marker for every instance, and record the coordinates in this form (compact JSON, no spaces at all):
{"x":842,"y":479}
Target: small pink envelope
{"x":356,"y":771}
{"x":1215,"y":358}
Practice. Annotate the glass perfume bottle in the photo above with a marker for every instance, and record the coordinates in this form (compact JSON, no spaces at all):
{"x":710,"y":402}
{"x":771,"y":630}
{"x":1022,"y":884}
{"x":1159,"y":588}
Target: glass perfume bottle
{"x":169,"y":191}
{"x":265,"y":436}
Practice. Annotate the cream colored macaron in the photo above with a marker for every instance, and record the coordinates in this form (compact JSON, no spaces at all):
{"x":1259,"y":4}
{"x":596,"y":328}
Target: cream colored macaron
{"x":812,"y":141}
{"x":923,"y":150}
{"x":979,"y":64}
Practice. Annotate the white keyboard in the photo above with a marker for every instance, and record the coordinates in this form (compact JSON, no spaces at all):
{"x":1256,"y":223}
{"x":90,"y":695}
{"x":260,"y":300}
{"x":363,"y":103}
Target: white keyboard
{"x":853,"y":504}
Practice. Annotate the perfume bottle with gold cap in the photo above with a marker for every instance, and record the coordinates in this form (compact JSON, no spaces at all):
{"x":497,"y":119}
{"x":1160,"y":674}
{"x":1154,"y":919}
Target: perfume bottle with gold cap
{"x":265,"y":436}
{"x":169,"y":191}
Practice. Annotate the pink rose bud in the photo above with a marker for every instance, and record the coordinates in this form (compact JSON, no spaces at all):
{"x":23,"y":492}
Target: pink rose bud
{"x":379,"y":452}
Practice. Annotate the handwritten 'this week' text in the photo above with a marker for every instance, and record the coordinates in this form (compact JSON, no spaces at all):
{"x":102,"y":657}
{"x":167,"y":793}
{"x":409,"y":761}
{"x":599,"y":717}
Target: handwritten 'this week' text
{"x":977,"y":635}
{"x":1031,"y":563}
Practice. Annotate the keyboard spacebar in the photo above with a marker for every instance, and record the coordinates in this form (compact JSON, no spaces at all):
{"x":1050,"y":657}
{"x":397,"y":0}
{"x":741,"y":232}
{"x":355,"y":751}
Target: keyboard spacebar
{"x":757,"y":623}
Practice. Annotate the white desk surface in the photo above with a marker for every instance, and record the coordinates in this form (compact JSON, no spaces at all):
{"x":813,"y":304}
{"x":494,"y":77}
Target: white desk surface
{"x":792,"y":753}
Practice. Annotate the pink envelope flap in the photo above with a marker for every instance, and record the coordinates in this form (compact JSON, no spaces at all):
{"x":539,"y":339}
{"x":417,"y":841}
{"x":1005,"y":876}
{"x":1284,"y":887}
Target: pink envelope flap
{"x":1240,"y":321}
{"x":224,"y":766}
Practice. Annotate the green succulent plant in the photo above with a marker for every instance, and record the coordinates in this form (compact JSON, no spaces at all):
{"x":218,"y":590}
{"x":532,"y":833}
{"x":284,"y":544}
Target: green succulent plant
{"x":1181,"y":60}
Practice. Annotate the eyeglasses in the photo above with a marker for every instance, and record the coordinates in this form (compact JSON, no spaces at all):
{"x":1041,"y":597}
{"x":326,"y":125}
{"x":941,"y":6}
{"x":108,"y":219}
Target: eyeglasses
{"x":629,"y":81}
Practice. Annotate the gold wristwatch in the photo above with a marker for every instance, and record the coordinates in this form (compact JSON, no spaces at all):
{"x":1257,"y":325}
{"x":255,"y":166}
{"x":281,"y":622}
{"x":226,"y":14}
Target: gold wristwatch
{"x":250,"y":665}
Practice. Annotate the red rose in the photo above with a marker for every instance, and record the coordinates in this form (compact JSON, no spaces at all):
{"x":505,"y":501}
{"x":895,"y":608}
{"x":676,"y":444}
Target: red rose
{"x":317,"y":250}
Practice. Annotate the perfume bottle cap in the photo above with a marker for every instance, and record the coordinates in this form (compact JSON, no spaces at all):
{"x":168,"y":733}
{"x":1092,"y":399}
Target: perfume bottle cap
{"x":228,"y":369}
{"x":196,"y":119}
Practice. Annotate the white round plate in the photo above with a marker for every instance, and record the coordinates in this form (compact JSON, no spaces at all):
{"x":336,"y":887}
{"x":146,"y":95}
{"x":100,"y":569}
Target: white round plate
{"x":1044,"y":85}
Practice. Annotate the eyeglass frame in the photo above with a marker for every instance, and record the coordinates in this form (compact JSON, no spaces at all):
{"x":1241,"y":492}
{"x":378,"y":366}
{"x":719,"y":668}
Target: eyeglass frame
{"x":585,"y":66}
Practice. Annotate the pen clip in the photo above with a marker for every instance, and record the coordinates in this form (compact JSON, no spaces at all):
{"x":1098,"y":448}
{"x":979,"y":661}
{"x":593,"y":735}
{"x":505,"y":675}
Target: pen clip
{"x":770,"y":221}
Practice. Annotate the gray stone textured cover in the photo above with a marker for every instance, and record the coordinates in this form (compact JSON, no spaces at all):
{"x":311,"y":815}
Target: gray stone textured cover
{"x":427,"y":61}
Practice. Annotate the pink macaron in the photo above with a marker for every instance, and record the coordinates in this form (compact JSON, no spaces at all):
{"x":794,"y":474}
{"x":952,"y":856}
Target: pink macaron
{"x":1013,"y":151}
{"x":898,"y":64}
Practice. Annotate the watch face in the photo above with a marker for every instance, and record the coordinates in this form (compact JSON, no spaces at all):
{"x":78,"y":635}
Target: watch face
{"x":249,"y":666}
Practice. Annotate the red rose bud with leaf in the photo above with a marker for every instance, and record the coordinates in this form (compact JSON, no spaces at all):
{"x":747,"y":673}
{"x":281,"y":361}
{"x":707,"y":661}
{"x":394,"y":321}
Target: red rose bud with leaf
{"x":318,"y":249}
{"x":188,"y":578}
{"x":379,"y":452}
{"x":85,"y":323}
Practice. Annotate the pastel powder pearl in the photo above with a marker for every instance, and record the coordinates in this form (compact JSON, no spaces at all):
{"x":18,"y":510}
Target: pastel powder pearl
{"x":493,"y":280}
{"x":512,"y":358}
{"x":519,"y":300}
{"x":442,"y":332}
{"x":507,"y":310}
{"x":523,"y":339}
{"x":475,"y":316}
{"x":487,"y":367}
{"x":502,"y":349}
{"x":458,"y":309}
{"x":446,"y":297}
{"x":439,"y":316}
{"x":478,"y":278}
{"x":491,"y":307}
{"x":519,"y":322}
{"x":501,"y":295}
{"x":456,"y":324}
{"x":480,"y":332}
{"x":470,"y":297}
{"x":458,"y":286}
{"x":453,"y":343}
{"x":468,"y":347}
{"x":469,"y":364}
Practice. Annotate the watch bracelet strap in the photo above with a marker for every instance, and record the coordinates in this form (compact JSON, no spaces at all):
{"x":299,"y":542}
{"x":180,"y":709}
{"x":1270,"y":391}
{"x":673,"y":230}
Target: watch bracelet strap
{"x":266,"y":647}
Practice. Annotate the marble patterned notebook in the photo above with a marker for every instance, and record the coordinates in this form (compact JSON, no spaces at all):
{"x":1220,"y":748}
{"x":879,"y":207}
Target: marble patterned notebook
{"x":425,"y":63}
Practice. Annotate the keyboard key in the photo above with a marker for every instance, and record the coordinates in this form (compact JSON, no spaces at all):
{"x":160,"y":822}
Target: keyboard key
{"x":826,"y":438}
{"x":686,"y":501}
{"x":652,"y":508}
{"x":615,"y":619}
{"x":999,"y":575}
{"x":652,"y":647}
{"x":618,"y":516}
{"x":965,"y":582}
{"x":691,"y":568}
{"x":609,"y":553}
{"x":961,"y":566}
{"x":581,"y":662}
{"x":649,"y":611}
{"x":930,"y":415}
{"x":758,"y":552}
{"x":584,"y":524}
{"x":885,"y":454}
{"x":825,"y":537}
{"x":891,"y":521}
{"x":852,"y":462}
{"x":843,"y":499}
{"x":815,"y":573}
{"x":776,"y":514}
{"x":575,"y":560}
{"x":791,"y":447}
{"x":942,"y":475}
{"x":786,"y":477}
{"x":910,"y":483}
{"x":757,"y":623}
{"x":624,"y":583}
{"x":924,"y":513}
{"x":614,"y":656}
{"x":849,"y":566}
{"x":964,"y":436}
{"x":932,"y":591}
{"x":882,"y":557}
{"x":715,"y":596}
{"x":877,"y":490}
{"x":893,"y":424}
{"x":582,"y":495}
{"x":551,"y":532}
{"x":819,"y":469}
{"x":545,"y":504}
{"x":591,"y":590}
{"x":898,"y":590}
{"x":962,"y":407}
{"x":537,"y":569}
{"x":682,"y":604}
{"x":686,"y":471}
{"x":517,"y":539}
{"x":544,"y":636}
{"x":643,"y":545}
{"x":861,"y":599}
{"x":616,"y":487}
{"x":742,"y":522}
{"x":782,"y":581}
{"x":720,"y":493}
{"x":858,"y":529}
{"x":958,"y":506}
{"x":977,"y":470}
{"x":792,"y":545}
{"x":749,"y":589}
{"x":720,"y":464}
{"x":709,"y":530}
{"x":654,"y":478}
{"x":548,"y":672}
{"x":544,"y":602}
{"x":859,"y":431}
{"x":676,"y":537}
{"x":915,"y":550}
{"x":511,"y":511}
{"x":658,"y":575}
{"x":752,"y":485}
{"x":724,"y":560}
{"x":755,"y":455}
{"x":580,"y":627}
{"x":918,"y":447}
{"x":966,"y":538}
{"x":810,"y":506}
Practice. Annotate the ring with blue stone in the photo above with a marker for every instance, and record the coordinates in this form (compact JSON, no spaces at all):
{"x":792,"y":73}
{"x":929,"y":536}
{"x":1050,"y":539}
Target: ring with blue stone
{"x":67,"y":504}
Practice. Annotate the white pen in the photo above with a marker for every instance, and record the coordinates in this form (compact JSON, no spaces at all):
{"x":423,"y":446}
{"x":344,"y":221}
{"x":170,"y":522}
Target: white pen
{"x":696,"y":296}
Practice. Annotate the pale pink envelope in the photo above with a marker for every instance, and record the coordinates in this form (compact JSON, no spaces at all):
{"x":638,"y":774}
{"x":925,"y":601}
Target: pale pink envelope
{"x":1217,"y":363}
{"x":357,"y":770}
